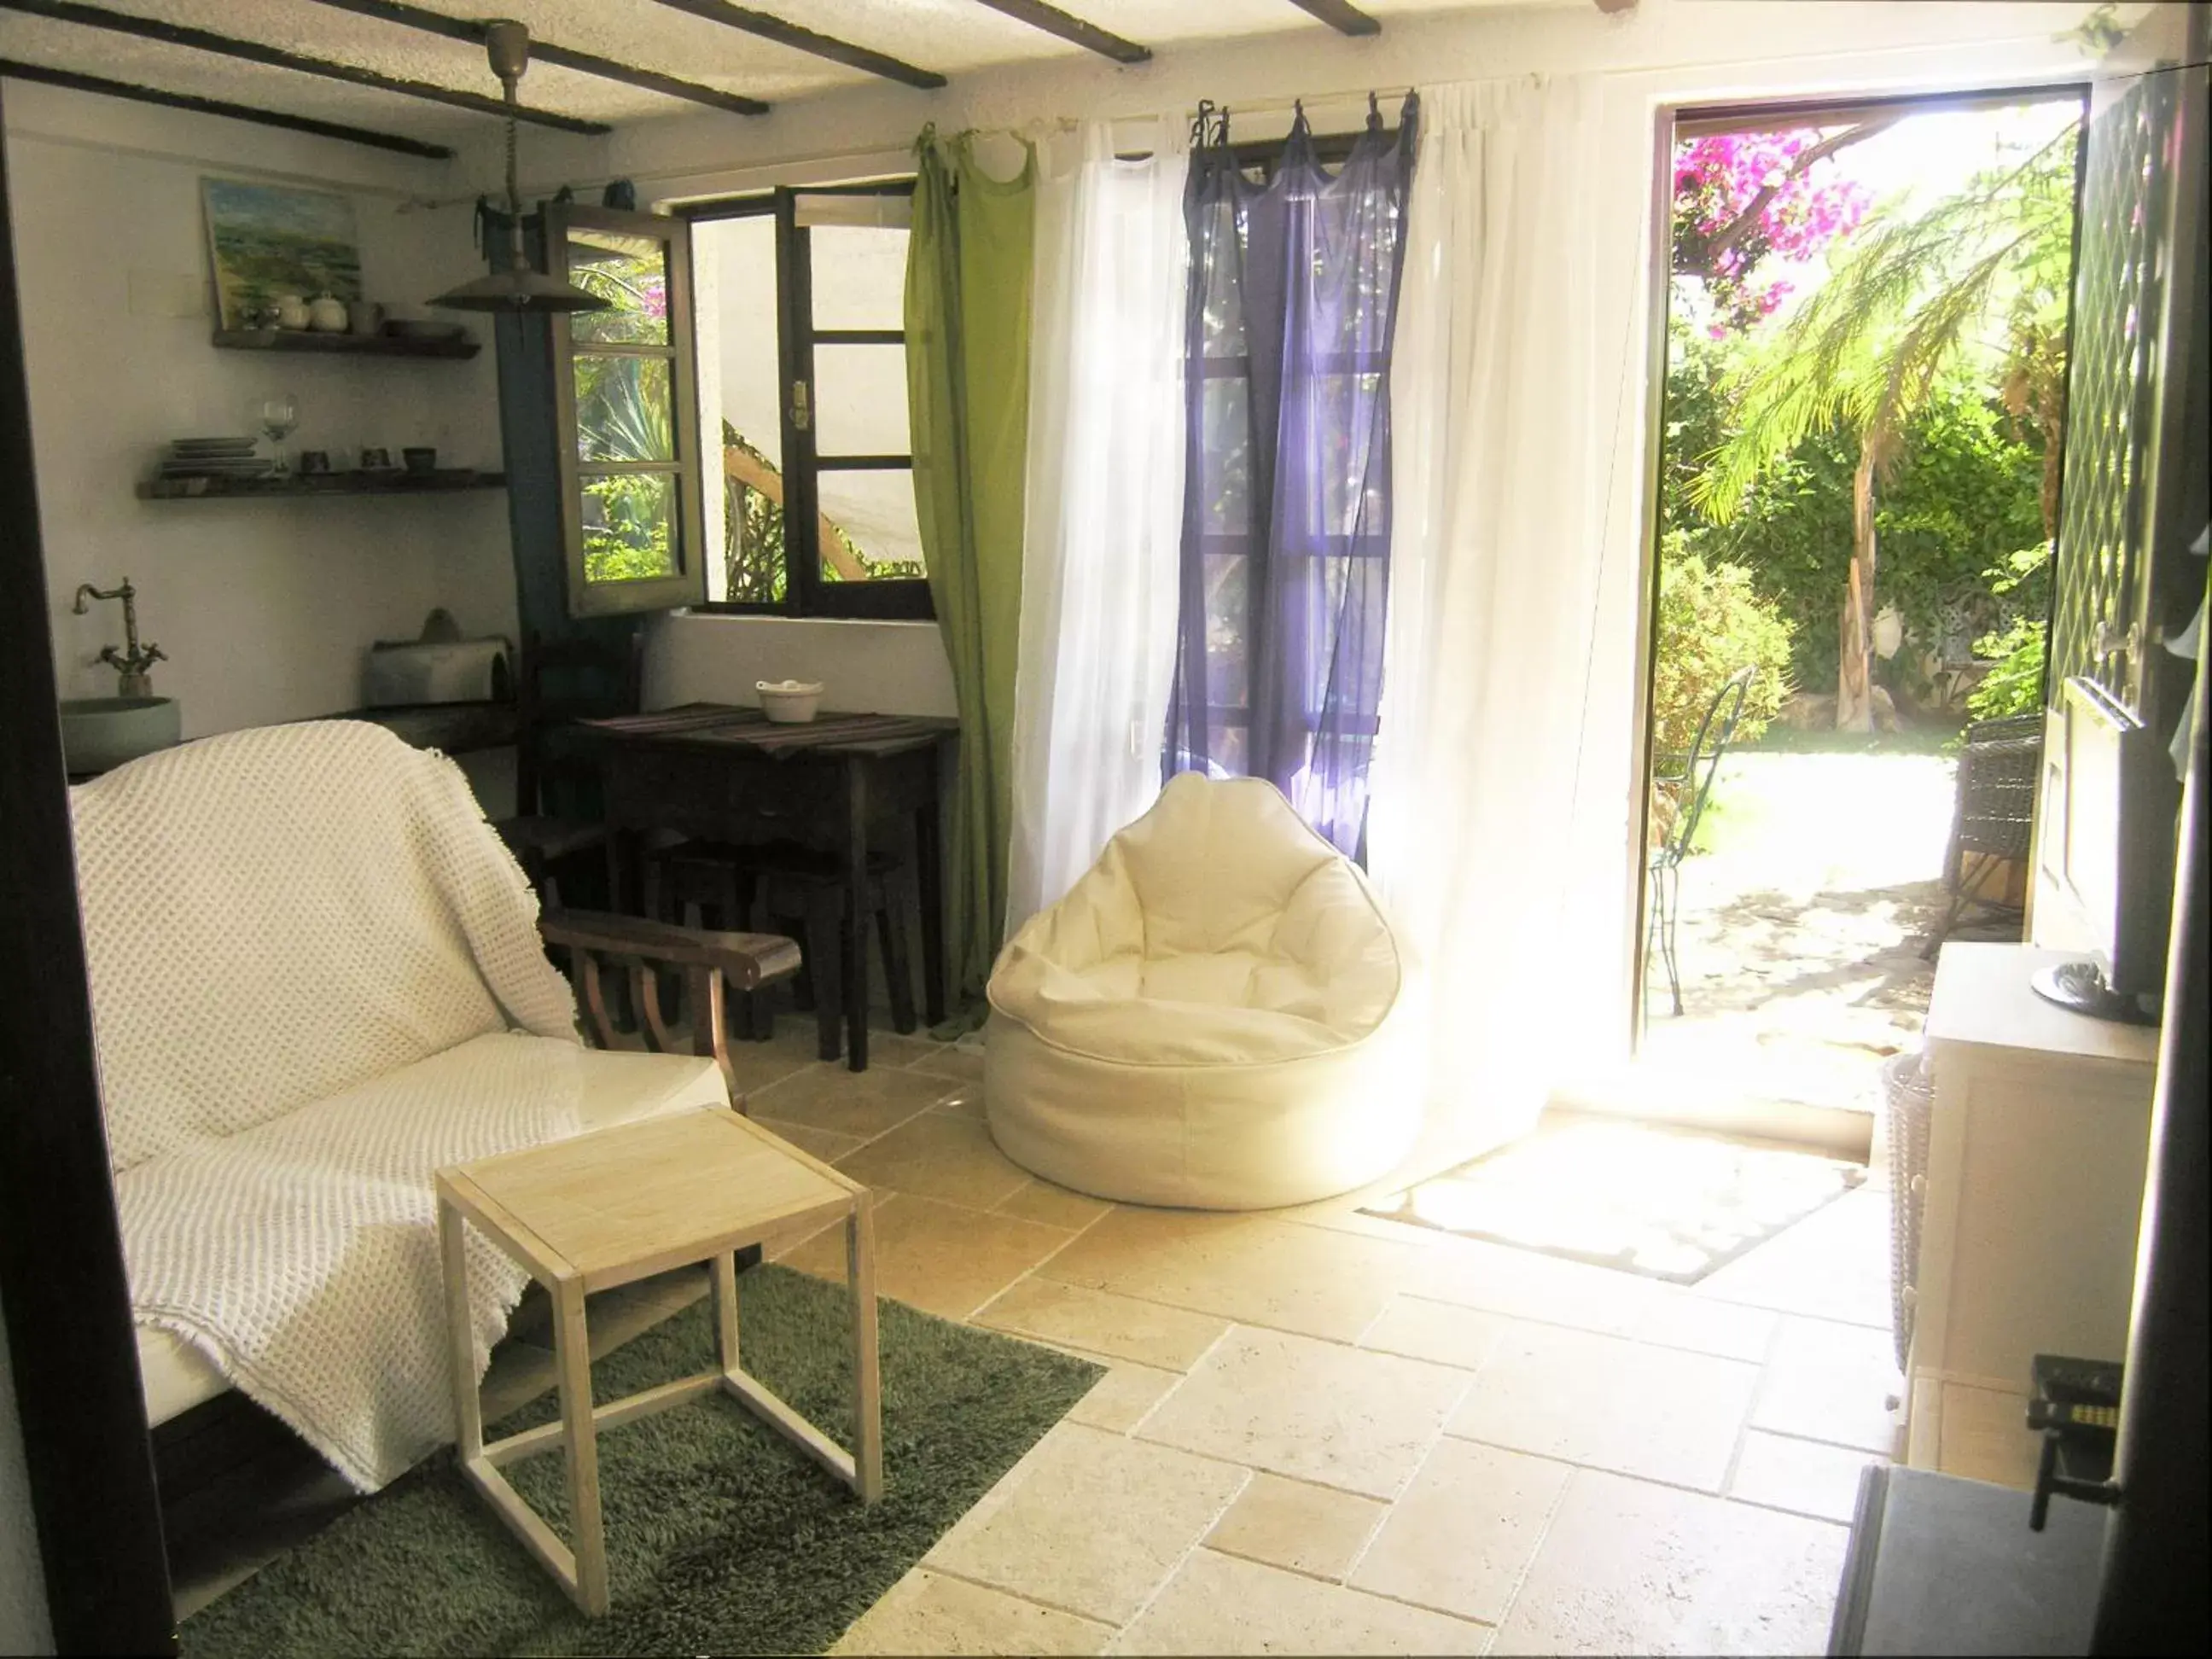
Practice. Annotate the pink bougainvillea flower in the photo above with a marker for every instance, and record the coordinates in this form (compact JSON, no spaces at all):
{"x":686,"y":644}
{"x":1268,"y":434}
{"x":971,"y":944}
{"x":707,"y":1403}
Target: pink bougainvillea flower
{"x":1717,"y":180}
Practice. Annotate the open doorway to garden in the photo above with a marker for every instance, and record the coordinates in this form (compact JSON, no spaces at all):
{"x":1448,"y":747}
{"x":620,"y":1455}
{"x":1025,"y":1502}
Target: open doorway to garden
{"x":1867,"y":328}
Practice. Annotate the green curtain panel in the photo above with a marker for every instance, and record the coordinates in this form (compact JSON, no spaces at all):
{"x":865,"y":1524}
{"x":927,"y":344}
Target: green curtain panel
{"x":968,"y":390}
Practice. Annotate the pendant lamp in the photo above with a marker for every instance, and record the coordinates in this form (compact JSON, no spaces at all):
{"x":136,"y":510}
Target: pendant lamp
{"x":521,"y":288}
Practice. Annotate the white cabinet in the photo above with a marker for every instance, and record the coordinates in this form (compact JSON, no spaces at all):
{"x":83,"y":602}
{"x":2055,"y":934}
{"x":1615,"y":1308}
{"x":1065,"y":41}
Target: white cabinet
{"x":2036,"y":1153}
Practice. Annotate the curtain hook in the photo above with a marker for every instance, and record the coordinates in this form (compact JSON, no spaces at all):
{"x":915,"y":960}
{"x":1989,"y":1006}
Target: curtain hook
{"x":1199,"y":122}
{"x":1374,"y":113}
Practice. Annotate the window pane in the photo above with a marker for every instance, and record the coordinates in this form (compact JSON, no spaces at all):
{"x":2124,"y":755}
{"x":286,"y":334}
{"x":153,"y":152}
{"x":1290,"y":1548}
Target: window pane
{"x":1224,"y":478}
{"x":740,"y":382}
{"x":1228,"y":615}
{"x":629,"y":527}
{"x":623,"y":408}
{"x":631,"y":272}
{"x":869,"y":529}
{"x":753,"y":571}
{"x":860,"y":399}
{"x":859,"y":276}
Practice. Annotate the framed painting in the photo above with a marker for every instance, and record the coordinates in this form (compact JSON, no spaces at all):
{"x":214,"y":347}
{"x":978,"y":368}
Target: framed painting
{"x":268,"y":240}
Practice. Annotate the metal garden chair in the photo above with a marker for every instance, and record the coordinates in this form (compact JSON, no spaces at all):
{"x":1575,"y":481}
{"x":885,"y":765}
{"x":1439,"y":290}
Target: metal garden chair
{"x":1689,"y":786}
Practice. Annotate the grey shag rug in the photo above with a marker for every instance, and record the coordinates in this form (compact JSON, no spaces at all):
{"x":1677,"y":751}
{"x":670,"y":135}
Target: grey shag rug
{"x":721,"y":1538}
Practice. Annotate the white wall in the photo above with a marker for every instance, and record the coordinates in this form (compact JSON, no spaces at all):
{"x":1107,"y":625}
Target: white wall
{"x":264,"y":608}
{"x":23,"y":1627}
{"x":884,"y":668}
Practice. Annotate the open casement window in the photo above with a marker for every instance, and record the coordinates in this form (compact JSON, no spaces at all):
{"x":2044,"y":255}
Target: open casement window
{"x":631,"y":483}
{"x":805,"y":296}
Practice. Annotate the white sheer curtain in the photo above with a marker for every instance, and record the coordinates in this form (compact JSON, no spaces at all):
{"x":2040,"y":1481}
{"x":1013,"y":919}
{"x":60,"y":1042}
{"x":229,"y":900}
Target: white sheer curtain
{"x":1104,"y":502}
{"x":1502,"y":437}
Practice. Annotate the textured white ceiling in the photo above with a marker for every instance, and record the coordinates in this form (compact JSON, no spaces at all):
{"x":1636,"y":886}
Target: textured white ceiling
{"x":952,"y":37}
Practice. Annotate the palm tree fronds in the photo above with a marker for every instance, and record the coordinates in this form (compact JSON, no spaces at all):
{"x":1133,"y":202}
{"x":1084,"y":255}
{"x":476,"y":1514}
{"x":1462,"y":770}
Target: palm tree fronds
{"x":1911,"y":296}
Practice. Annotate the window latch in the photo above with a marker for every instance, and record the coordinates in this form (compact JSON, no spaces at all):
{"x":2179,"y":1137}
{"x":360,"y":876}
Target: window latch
{"x":799,"y":415}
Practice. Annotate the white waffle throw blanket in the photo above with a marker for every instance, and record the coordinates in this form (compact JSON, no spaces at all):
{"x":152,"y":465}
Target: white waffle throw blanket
{"x":288,"y":929}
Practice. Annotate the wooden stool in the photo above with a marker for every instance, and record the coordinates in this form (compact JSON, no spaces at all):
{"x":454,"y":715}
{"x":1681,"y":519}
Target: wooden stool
{"x":705,"y":885}
{"x":601,"y":1209}
{"x":803,"y":898}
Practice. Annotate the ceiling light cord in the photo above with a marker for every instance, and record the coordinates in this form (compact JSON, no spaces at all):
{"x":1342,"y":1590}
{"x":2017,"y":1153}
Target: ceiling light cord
{"x":521,"y":288}
{"x":514,"y":170}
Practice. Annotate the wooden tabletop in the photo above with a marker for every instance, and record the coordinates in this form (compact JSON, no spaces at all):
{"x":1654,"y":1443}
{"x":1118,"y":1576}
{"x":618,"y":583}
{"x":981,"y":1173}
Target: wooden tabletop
{"x":620,"y":1204}
{"x":731,"y":726}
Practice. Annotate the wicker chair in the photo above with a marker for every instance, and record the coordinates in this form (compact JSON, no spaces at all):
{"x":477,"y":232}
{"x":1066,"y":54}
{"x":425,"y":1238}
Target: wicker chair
{"x":1994,"y":819}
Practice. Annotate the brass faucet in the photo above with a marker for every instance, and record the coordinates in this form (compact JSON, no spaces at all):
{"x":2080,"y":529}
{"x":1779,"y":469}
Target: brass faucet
{"x":133,"y":662}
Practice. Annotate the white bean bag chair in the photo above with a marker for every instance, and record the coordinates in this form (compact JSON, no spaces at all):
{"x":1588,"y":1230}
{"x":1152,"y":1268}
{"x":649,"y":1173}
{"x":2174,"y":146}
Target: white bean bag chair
{"x":1216,"y":1016}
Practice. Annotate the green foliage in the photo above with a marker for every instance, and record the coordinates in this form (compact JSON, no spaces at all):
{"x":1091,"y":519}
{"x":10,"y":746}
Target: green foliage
{"x":754,"y":571}
{"x":2014,"y":686}
{"x":1713,"y":622}
{"x":1964,"y":494}
{"x":623,"y":414}
{"x":879,"y":570}
{"x":626,"y":527}
{"x":1909,"y":303}
{"x":2098,"y":32}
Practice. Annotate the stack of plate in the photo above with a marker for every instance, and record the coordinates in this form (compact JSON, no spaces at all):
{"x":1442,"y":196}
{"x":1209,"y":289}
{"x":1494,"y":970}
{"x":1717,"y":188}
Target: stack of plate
{"x":213,"y":457}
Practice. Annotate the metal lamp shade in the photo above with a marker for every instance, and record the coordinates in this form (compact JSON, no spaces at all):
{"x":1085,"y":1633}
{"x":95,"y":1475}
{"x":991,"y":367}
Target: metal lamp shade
{"x":518,"y":288}
{"x":521,"y":288}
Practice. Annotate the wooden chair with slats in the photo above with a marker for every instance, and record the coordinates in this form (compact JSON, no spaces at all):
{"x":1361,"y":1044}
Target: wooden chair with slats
{"x":556,"y":780}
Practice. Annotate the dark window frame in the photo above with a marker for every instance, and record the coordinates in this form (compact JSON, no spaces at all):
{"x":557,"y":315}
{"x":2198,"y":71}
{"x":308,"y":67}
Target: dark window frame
{"x":806,"y":592}
{"x":687,"y":584}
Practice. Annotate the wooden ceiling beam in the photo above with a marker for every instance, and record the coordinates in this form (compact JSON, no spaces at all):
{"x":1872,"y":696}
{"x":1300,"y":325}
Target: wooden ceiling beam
{"x":806,"y":39}
{"x":1341,"y":16}
{"x":544,"y":52}
{"x":1052,"y":20}
{"x":254,"y":52}
{"x":72,"y":79}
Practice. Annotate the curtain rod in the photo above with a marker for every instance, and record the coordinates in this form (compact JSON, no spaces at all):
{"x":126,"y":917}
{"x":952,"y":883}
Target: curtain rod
{"x":881,"y":151}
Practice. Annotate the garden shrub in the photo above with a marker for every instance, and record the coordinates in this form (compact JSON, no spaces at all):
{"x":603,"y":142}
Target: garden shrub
{"x":1965,"y":491}
{"x":1712,"y":621}
{"x":2014,"y":686}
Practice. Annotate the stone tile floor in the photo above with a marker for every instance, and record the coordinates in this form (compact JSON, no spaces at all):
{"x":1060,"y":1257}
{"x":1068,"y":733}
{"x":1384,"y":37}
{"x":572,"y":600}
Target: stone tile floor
{"x":1324,"y":1432}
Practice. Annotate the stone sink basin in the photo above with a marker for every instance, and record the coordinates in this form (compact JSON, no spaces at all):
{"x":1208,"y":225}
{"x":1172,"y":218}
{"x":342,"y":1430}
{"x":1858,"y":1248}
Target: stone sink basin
{"x":99,"y":733}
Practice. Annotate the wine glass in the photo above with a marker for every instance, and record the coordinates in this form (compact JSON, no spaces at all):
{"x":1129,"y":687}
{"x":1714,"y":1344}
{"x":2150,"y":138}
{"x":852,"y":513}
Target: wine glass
{"x":278,"y":416}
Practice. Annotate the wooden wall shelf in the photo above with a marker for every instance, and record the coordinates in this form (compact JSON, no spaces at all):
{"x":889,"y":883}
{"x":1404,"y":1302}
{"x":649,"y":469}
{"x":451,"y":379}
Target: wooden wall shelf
{"x":344,"y":345}
{"x":299,"y":486}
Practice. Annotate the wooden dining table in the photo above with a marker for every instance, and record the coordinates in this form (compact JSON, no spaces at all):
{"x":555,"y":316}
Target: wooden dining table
{"x":717,"y":772}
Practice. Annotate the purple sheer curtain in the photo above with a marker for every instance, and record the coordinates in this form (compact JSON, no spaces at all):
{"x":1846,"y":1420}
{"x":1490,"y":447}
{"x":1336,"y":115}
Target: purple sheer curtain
{"x":1286,"y":503}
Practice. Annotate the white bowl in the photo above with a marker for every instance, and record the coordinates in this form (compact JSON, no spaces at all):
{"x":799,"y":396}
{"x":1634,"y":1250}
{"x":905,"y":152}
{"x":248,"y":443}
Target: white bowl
{"x":789,"y":703}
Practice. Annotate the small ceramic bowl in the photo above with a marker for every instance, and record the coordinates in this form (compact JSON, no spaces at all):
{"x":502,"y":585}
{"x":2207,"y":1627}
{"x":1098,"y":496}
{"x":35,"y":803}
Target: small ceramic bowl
{"x":789,"y":703}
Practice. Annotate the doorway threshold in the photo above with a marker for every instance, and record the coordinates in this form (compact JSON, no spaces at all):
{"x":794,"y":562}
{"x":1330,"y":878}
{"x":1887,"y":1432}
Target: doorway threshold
{"x":1724,"y":1101}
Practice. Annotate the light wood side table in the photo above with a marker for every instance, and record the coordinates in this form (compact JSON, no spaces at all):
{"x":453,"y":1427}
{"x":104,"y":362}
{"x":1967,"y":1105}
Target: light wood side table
{"x":605,"y":1209}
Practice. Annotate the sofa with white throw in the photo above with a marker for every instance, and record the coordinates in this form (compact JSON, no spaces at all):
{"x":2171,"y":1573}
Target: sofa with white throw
{"x":1216,"y":1016}
{"x":318,"y":976}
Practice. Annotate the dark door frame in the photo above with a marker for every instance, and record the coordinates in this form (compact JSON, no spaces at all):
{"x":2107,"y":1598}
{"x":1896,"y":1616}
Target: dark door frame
{"x":1672,"y":122}
{"x":61,"y":1280}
